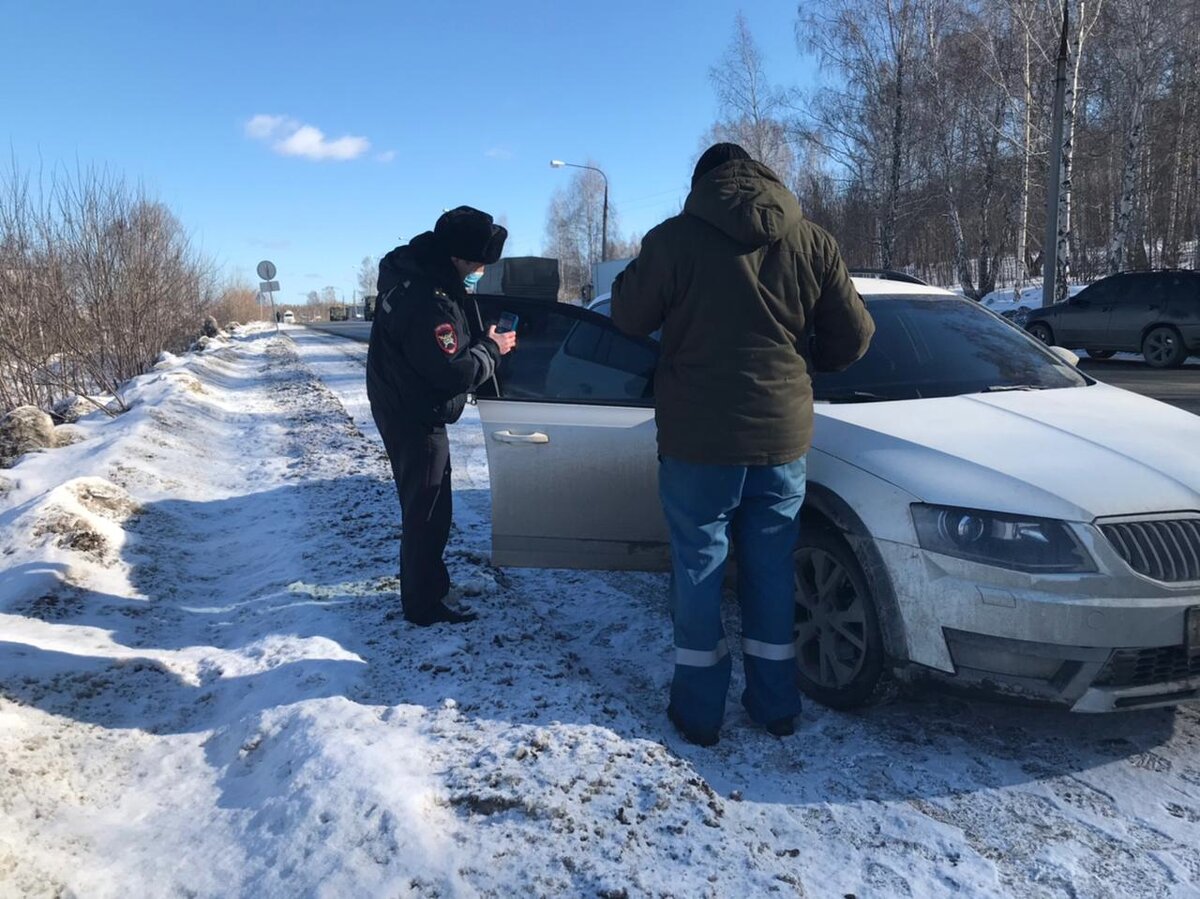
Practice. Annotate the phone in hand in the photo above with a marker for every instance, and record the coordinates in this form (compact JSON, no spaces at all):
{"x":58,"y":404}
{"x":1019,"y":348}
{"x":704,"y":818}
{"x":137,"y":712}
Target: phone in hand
{"x":508,"y":322}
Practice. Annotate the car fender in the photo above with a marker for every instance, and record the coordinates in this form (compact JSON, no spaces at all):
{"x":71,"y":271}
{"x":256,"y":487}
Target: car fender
{"x":824,"y":507}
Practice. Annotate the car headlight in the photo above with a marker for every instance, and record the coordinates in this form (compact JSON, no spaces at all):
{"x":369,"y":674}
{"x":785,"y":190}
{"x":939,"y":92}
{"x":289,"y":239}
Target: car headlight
{"x":1018,"y":542}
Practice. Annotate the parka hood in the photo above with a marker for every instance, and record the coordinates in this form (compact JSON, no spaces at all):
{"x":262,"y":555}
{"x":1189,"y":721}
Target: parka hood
{"x":420,"y":257}
{"x":747,"y":201}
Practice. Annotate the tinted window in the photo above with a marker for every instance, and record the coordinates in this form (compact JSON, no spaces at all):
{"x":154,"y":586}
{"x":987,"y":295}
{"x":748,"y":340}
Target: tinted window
{"x":568,"y":354}
{"x":1095,"y":294}
{"x":1184,"y":292}
{"x":941,"y":346}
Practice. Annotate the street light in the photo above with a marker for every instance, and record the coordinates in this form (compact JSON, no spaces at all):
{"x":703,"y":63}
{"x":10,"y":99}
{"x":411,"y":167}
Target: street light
{"x":558,"y":164}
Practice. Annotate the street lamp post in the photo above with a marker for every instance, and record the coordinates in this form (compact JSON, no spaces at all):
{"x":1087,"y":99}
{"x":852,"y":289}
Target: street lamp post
{"x":558,"y":164}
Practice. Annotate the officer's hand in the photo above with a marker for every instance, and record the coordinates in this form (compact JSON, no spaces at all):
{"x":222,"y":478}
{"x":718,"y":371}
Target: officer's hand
{"x":506,"y":341}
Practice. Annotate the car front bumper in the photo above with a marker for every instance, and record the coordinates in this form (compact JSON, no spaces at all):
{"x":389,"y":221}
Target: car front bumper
{"x":1097,"y":642}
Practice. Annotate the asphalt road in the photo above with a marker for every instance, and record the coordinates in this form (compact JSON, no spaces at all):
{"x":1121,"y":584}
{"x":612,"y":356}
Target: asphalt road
{"x":360,"y":331}
{"x":1179,"y":387}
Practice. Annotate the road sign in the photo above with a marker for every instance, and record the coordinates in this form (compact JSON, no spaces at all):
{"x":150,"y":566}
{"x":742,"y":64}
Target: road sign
{"x":266,"y":270}
{"x":268,"y":286}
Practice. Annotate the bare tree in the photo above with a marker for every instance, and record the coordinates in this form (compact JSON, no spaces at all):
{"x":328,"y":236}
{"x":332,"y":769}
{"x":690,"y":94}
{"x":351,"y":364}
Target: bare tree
{"x":752,"y":110}
{"x":368,"y":275}
{"x":96,"y":280}
{"x":1136,"y":61}
{"x":574,"y":224}
{"x":864,"y":122}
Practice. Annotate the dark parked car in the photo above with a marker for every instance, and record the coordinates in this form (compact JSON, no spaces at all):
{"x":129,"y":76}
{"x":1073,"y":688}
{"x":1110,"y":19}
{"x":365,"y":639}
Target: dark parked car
{"x":1156,"y":314}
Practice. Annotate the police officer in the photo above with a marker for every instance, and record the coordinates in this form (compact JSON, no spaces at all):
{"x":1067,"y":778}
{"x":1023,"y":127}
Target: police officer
{"x":424,"y":359}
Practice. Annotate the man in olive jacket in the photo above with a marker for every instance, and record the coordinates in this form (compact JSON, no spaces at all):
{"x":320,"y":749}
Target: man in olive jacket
{"x":748,"y":294}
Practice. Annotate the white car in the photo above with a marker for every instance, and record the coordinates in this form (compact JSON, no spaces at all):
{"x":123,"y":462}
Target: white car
{"x":978,"y":509}
{"x":289,"y":318}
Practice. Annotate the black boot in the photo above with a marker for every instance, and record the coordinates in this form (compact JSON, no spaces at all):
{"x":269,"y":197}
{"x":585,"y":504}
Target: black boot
{"x":697,"y":737}
{"x":440,"y":613}
{"x":782,"y":727}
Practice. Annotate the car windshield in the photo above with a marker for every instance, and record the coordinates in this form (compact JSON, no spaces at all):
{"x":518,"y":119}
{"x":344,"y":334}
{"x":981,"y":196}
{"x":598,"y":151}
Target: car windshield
{"x":930,"y":346}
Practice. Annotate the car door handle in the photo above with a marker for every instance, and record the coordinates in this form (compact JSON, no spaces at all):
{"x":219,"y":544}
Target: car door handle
{"x":510,"y":437}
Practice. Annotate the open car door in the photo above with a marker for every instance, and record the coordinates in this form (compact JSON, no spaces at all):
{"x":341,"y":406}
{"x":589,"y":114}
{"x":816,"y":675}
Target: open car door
{"x":571,"y":443}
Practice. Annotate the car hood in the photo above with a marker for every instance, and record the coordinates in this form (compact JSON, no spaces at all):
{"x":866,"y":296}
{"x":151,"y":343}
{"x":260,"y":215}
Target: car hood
{"x":1075,"y":454}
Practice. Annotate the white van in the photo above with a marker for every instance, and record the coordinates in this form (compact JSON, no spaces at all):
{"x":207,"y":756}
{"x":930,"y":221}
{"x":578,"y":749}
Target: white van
{"x":288,"y":318}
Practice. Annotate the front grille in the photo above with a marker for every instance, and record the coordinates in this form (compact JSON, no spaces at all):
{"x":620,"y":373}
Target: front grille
{"x":1165,"y":549}
{"x":1141,"y":667}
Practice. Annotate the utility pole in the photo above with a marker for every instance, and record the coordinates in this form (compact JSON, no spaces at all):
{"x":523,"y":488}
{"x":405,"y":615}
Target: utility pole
{"x":1054,"y":182}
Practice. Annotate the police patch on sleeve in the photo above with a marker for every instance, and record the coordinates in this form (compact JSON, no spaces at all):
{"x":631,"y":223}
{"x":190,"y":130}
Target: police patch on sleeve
{"x":447,"y":338}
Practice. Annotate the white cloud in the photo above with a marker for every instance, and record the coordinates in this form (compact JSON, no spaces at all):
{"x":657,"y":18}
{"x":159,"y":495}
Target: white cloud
{"x":386,"y":156}
{"x":289,"y":137}
{"x":499,"y":153}
{"x":263,"y":127}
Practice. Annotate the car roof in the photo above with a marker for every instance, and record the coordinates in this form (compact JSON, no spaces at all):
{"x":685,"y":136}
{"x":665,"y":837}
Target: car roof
{"x":888,"y":287}
{"x":866,"y":286}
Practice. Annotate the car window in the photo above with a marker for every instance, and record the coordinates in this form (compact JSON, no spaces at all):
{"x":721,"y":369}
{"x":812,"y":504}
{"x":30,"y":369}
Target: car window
{"x":1185,"y":293}
{"x":942,"y":346}
{"x":1094,"y":294}
{"x":568,"y":354}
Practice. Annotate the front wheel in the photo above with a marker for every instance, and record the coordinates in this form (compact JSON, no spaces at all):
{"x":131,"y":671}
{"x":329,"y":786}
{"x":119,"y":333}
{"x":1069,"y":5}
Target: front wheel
{"x":1042,"y":332}
{"x":1163,"y":348}
{"x":839,"y":646}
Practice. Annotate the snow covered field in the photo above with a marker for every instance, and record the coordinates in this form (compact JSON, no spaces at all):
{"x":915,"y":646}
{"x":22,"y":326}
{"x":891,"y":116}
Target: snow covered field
{"x":204,"y":692}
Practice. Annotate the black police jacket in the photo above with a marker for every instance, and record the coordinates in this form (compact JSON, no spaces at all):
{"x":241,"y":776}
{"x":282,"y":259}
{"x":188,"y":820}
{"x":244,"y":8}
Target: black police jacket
{"x":424,"y":356}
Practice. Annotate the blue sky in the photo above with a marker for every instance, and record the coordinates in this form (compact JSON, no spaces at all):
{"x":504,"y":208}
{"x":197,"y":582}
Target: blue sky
{"x":434,"y":105}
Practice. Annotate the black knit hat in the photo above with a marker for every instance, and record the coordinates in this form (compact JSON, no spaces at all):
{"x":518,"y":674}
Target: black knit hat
{"x":469,"y":234}
{"x":717,"y":154}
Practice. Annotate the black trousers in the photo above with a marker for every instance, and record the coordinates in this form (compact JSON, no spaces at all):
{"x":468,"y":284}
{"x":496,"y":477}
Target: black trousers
{"x":420,"y":457}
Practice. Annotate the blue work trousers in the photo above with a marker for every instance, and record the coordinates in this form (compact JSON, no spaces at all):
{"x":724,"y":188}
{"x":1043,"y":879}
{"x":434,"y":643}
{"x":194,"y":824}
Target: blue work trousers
{"x":759,"y":506}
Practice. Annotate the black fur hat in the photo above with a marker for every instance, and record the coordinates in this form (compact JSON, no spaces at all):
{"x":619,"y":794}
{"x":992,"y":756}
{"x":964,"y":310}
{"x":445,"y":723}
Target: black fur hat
{"x":469,"y":234}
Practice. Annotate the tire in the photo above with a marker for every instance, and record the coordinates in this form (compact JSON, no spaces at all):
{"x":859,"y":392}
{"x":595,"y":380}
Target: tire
{"x":1042,"y":332}
{"x":839,"y":663}
{"x":1101,"y":354}
{"x":1162,"y":347}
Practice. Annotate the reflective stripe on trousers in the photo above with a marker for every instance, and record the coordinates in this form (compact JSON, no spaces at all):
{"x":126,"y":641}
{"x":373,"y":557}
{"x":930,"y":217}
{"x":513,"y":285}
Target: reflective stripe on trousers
{"x":700,"y":658}
{"x":772,"y":652}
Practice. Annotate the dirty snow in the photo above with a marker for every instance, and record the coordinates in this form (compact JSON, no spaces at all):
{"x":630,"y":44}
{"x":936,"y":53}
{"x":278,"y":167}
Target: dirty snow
{"x":204,"y":691}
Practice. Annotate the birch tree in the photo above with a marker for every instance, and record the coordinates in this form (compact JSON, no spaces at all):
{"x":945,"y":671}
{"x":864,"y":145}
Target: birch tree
{"x":751,"y":108}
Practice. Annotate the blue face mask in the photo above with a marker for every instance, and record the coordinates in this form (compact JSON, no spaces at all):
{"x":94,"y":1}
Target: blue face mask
{"x":472,"y":279}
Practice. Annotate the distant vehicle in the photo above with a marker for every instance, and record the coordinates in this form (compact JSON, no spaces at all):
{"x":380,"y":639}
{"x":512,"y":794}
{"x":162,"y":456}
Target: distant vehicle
{"x":338,"y":313}
{"x":289,"y":318}
{"x":1156,"y":314}
{"x":533,"y":277}
{"x":604,"y":273}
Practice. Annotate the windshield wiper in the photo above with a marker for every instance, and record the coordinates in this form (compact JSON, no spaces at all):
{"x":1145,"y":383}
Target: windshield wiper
{"x":1006,"y":388}
{"x":853,"y":396}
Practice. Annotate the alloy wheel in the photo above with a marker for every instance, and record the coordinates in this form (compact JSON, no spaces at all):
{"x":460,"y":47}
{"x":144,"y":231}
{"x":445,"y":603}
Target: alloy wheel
{"x":1161,"y":348}
{"x":831,"y":620}
{"x":1041,"y":332}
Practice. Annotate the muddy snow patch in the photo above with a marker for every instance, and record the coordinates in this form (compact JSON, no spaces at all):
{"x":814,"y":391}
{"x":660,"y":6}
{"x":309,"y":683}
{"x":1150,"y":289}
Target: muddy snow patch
{"x":85,"y":515}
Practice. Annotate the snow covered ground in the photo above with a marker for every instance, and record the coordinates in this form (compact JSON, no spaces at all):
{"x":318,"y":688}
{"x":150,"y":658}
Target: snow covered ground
{"x":204,"y":692}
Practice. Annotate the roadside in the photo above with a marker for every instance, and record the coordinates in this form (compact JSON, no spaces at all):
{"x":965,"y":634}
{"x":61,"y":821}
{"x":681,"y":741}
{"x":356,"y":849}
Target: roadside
{"x":1177,"y":386}
{"x":198,"y":653}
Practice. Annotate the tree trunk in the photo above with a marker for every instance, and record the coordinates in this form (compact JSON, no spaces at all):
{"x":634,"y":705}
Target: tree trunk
{"x":1133,"y":141}
{"x":1022,"y":247}
{"x":1063,"y":248}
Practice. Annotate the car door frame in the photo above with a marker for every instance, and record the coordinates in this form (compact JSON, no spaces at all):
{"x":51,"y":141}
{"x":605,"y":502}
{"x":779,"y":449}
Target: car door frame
{"x":573,"y":480}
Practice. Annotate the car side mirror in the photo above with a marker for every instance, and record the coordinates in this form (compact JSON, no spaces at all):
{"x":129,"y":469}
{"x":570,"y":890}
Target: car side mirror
{"x":1065,"y":355}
